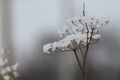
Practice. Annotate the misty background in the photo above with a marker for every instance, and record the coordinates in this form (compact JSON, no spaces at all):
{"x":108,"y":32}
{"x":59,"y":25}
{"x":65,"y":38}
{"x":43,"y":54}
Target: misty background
{"x":26,"y":25}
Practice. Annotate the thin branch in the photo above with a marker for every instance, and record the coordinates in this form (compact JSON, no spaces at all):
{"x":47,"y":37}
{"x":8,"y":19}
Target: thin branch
{"x":87,"y":47}
{"x":95,"y":42}
{"x":86,"y":52}
{"x":81,"y":51}
{"x":78,"y":61}
{"x":81,"y":23}
{"x":75,"y":24}
{"x":91,"y":36}
{"x":84,"y":9}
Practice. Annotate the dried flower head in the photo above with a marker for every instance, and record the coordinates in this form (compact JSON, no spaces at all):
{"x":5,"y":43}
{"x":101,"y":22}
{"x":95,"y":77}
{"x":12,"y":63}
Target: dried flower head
{"x":77,"y":35}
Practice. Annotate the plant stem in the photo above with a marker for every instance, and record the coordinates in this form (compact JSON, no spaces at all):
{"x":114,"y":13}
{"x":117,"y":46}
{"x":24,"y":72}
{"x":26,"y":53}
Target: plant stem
{"x":85,"y":77}
{"x":76,"y":56}
{"x":87,"y":48}
{"x":84,"y":9}
{"x":84,"y":74}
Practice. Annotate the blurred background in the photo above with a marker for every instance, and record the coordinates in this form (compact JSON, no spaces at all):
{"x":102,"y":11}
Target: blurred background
{"x":26,"y":25}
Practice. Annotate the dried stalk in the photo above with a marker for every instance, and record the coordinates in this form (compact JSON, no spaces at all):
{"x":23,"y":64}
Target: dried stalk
{"x":77,"y":58}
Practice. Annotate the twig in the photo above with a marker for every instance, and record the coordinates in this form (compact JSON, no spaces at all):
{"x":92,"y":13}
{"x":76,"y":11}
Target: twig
{"x":84,"y":9}
{"x":86,"y":52}
{"x":87,"y":47}
{"x":81,"y":51}
{"x":76,"y":56}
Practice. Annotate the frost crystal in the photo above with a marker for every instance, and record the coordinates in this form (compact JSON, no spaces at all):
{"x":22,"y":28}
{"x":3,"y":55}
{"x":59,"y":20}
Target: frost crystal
{"x":82,"y":30}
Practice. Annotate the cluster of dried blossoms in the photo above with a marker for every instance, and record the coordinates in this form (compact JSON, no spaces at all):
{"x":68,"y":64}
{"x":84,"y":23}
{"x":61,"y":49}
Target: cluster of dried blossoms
{"x":7,"y":72}
{"x":82,"y":31}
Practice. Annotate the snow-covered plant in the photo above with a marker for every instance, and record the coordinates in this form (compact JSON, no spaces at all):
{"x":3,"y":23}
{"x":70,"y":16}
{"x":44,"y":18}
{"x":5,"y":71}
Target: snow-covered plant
{"x":7,"y":72}
{"x":80,"y":35}
{"x":84,"y":31}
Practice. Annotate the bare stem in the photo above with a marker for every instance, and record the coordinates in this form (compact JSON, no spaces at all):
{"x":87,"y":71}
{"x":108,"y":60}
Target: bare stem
{"x":81,"y":51}
{"x":76,"y":56}
{"x":84,"y":9}
{"x":87,"y":48}
{"x":84,"y":74}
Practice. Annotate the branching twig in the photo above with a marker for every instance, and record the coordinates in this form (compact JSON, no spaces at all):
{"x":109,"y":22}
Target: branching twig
{"x":87,"y":48}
